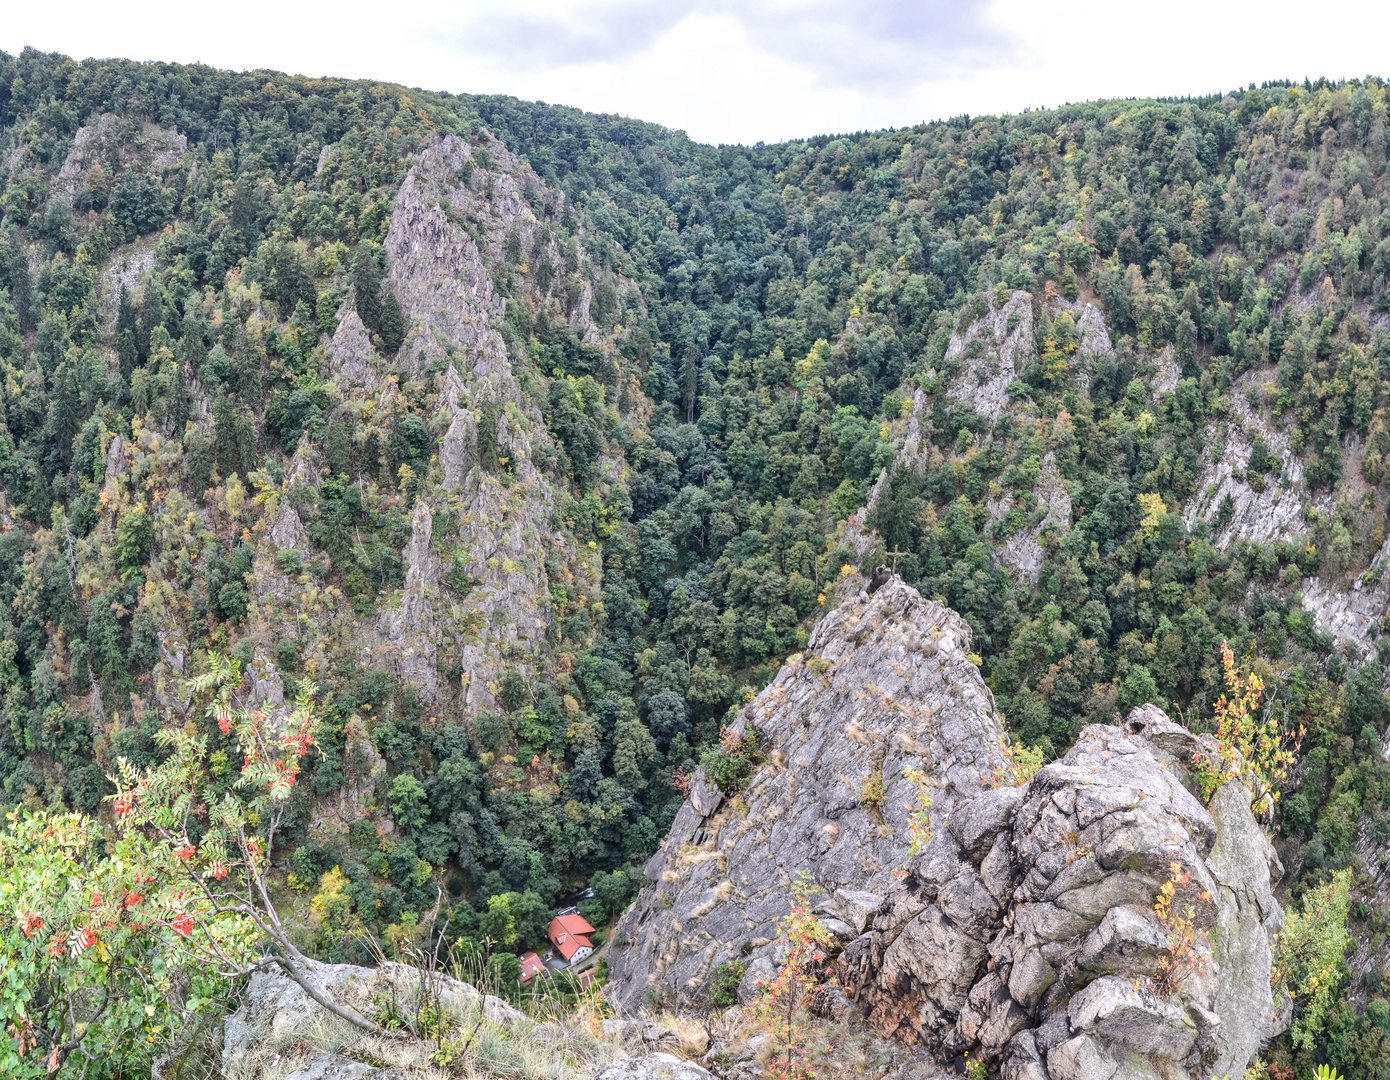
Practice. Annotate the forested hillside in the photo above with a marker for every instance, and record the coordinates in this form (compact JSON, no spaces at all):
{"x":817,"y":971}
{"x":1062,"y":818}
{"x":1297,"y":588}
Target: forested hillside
{"x":1123,"y":368}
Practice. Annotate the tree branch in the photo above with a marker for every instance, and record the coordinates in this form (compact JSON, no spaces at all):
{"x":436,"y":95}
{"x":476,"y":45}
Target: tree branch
{"x":301,"y":978}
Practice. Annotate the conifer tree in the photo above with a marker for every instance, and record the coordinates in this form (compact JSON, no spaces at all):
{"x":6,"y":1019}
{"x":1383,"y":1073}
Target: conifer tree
{"x":65,"y":410}
{"x":339,"y":449}
{"x":178,"y":397}
{"x":224,"y":435}
{"x":690,"y":382}
{"x":246,"y":367}
{"x":366,"y":283}
{"x":126,"y":349}
{"x":195,"y":350}
{"x":151,"y":315}
{"x":14,"y":274}
{"x":392,"y":323}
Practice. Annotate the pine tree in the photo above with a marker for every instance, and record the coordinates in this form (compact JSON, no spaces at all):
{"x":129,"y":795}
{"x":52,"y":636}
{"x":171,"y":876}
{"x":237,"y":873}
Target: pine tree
{"x":339,"y":447}
{"x":14,"y":273}
{"x":65,"y":410}
{"x":392,"y":323}
{"x":126,"y":349}
{"x":245,"y":433}
{"x":178,"y":398}
{"x":198,"y":465}
{"x":366,"y":284}
{"x":151,"y":315}
{"x":125,"y":312}
{"x":486,"y":436}
{"x":690,"y":381}
{"x":127,"y":355}
{"x":326,"y":312}
{"x":224,"y":436}
{"x":246,"y":367}
{"x":195,"y":350}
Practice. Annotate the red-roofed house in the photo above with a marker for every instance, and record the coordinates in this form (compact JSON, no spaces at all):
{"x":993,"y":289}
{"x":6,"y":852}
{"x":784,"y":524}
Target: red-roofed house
{"x":531,"y":966}
{"x":570,"y":936}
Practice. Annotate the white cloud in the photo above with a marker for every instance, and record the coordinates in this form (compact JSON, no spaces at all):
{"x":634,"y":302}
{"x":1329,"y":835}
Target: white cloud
{"x":745,"y":70}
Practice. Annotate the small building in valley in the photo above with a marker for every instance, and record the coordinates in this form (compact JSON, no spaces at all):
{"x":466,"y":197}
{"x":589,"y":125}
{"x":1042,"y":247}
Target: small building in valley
{"x":531,"y":966}
{"x":569,"y":934}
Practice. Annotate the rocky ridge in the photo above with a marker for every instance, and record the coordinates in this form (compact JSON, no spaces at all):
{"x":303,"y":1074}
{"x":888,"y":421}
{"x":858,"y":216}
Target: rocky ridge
{"x":1026,"y":932}
{"x":485,"y":544}
{"x":885,"y":685}
{"x":449,"y":227}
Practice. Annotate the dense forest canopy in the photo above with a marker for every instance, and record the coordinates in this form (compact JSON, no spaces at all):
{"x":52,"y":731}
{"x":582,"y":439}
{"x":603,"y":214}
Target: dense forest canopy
{"x":786,"y":309}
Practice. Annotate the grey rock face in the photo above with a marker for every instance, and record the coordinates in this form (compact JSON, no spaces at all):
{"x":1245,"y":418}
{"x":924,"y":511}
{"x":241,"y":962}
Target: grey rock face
{"x":1167,"y":372}
{"x":884,"y":686}
{"x":1050,"y":973}
{"x":1022,"y":551}
{"x":352,"y":360}
{"x":116,"y":465}
{"x":288,"y":530}
{"x":1246,"y":869}
{"x":655,"y":1067}
{"x":1266,"y":508}
{"x":275,"y":1010}
{"x":334,"y":1067}
{"x":995,"y":349}
{"x":1352,"y":615}
{"x":411,"y":626}
{"x":1092,"y":335}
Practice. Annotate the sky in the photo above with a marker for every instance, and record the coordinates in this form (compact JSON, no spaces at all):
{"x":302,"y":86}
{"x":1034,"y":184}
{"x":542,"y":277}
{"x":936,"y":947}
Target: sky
{"x":746,"y":70}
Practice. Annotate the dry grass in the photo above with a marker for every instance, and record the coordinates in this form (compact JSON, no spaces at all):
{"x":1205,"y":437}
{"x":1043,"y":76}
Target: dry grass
{"x":834,"y":1049}
{"x":691,"y":1038}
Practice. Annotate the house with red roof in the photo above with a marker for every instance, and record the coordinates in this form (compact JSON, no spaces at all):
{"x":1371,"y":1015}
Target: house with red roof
{"x":569,"y":934}
{"x":531,"y":966}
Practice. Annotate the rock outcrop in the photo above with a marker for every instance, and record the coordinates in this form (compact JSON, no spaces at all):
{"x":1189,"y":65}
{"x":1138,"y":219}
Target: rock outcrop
{"x":1352,"y":615}
{"x":476,"y":600}
{"x":994,"y":350}
{"x":276,"y":1014}
{"x":1026,"y":931}
{"x":279,"y":1033}
{"x":1266,"y":506}
{"x":451,"y":224}
{"x":655,"y":1067}
{"x":1022,"y":550}
{"x":885,"y":686}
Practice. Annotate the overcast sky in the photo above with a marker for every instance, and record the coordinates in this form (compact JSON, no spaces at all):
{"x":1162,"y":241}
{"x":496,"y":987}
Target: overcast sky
{"x":745,"y":70}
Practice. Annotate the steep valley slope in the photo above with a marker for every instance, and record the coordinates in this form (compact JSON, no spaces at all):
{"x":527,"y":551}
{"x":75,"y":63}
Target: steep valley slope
{"x":558,"y":452}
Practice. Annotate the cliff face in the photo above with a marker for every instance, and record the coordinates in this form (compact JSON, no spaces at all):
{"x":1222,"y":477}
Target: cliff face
{"x":1250,"y":482}
{"x":884,"y":686}
{"x":995,"y":350}
{"x":1026,"y":932}
{"x":484,"y":546}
